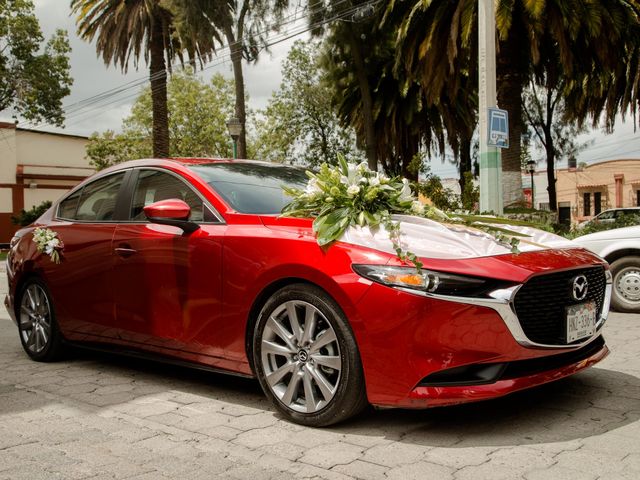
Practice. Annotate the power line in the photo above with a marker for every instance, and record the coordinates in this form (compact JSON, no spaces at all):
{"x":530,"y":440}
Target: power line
{"x":222,"y":59}
{"x":73,"y":109}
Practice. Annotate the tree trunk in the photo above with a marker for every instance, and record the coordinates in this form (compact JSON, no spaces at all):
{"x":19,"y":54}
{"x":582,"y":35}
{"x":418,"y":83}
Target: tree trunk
{"x":465,"y":160}
{"x":408,"y":152}
{"x":510,"y":71}
{"x":551,"y":172}
{"x":238,"y":77}
{"x":367,"y":102}
{"x":158,"y":77}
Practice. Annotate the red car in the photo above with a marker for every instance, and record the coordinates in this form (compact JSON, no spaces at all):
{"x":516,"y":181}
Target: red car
{"x":188,"y":261}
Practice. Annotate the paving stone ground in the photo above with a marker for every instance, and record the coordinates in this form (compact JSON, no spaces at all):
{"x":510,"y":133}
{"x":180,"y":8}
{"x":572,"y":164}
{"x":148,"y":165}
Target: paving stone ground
{"x":105,"y":417}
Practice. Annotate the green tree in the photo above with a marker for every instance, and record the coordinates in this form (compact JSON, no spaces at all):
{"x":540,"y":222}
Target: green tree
{"x":354,"y":40}
{"x":244,"y":25}
{"x":27,"y":217}
{"x":134,"y":29}
{"x":555,"y":131}
{"x":33,"y":79}
{"x":300,"y":123}
{"x":584,"y":39}
{"x":197,"y":127}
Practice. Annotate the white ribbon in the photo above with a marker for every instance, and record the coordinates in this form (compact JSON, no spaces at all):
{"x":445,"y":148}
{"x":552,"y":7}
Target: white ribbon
{"x":430,"y":239}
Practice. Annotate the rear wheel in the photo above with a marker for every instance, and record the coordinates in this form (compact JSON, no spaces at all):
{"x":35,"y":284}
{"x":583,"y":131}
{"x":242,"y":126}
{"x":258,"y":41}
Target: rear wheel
{"x":626,"y":284}
{"x":37,"y":325}
{"x":306,"y":358}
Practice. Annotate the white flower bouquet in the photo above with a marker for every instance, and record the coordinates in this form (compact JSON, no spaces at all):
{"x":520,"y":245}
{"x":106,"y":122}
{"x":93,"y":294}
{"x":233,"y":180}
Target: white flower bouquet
{"x":353,"y":195}
{"x":47,"y":242}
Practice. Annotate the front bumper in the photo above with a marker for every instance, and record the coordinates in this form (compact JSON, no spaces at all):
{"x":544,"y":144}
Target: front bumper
{"x":401,"y":347}
{"x":441,"y":395}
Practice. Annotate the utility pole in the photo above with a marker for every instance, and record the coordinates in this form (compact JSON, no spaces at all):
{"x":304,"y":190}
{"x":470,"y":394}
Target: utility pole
{"x":490,"y":158}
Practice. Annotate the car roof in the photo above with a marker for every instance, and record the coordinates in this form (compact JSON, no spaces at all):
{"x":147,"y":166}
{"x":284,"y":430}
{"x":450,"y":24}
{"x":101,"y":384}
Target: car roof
{"x":208,"y":161}
{"x":620,"y":208}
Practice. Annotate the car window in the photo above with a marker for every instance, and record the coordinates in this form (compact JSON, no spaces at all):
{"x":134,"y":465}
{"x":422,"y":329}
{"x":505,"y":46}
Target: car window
{"x":631,"y":211}
{"x":252,"y":187}
{"x":606,"y":215}
{"x":96,"y":202}
{"x":69,"y":205}
{"x":154,"y":185}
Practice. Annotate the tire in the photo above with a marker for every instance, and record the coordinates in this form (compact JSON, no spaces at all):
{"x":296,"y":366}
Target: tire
{"x":625,"y":296}
{"x":313,"y":377}
{"x":37,"y":326}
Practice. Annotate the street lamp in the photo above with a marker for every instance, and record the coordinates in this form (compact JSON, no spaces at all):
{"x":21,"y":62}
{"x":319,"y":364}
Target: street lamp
{"x":235,"y":128}
{"x":531,"y":168}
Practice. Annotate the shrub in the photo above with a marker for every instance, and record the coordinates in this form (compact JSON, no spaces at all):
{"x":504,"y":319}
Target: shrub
{"x":27,"y":217}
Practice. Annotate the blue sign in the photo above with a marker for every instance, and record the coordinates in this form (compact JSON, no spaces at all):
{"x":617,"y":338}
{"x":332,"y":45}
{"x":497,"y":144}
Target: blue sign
{"x":498,"y":128}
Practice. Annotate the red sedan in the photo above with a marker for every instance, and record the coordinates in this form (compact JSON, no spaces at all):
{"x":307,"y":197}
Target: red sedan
{"x":189,"y":261}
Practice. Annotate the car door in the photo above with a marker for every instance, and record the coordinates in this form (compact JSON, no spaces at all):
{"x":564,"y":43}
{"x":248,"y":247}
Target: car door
{"x":81,"y":285}
{"x":167,"y":282}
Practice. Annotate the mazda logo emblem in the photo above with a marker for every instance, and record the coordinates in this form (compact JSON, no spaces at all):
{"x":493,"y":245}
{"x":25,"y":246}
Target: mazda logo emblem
{"x":579,"y":287}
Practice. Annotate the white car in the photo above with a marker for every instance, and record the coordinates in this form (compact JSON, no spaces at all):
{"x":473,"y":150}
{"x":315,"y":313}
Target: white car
{"x":610,"y":216}
{"x":621,"y":248}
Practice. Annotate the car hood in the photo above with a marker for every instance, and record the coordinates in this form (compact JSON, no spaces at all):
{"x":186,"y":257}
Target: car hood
{"x":429,"y":239}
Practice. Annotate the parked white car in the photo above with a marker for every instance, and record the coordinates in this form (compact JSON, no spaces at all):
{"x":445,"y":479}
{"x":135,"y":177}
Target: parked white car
{"x":621,"y":248}
{"x":610,"y":216}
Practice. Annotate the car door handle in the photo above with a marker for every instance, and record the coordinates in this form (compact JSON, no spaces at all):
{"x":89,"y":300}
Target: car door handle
{"x":125,"y":252}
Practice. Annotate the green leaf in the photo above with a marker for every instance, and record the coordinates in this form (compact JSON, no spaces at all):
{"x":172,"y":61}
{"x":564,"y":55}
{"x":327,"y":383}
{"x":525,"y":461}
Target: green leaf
{"x":498,"y":229}
{"x":497,"y":220}
{"x":343,"y":164}
{"x":331,"y":226}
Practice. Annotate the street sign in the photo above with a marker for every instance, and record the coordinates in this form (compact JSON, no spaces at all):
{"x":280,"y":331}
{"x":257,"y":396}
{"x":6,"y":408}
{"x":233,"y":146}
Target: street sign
{"x":498,"y":128}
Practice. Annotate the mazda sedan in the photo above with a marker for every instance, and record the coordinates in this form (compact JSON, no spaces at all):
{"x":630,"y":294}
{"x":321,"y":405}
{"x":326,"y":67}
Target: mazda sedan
{"x":188,"y":261}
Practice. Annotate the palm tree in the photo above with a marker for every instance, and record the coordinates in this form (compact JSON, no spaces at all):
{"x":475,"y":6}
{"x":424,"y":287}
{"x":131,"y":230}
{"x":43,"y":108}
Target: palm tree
{"x":435,"y":39}
{"x":244,"y":25}
{"x":131,"y":29}
{"x":346,"y":35}
{"x":403,"y":125}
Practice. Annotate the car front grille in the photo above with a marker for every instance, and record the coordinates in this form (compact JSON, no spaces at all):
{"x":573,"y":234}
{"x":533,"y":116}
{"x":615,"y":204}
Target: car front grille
{"x":541,"y":303}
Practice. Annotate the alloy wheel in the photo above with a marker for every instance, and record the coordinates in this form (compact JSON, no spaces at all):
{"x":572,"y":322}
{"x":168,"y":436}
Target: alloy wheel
{"x":35,"y":319}
{"x":300,"y":357}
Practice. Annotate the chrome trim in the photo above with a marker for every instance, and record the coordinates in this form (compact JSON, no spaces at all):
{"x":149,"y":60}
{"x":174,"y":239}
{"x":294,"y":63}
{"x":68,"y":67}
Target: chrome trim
{"x":205,"y":201}
{"x":79,"y":188}
{"x":501,"y":301}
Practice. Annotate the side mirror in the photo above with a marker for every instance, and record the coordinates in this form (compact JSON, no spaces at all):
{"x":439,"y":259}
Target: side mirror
{"x":171,"y":212}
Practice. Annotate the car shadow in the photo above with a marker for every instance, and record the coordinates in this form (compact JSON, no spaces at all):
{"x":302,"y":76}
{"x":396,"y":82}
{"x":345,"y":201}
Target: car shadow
{"x":590,"y":403}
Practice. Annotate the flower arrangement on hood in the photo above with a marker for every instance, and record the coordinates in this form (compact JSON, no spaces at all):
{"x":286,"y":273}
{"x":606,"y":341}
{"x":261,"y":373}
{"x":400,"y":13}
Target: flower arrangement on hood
{"x":345,"y":195}
{"x":47,"y":242}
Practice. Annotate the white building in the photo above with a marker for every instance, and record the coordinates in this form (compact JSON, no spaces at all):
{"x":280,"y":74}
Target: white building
{"x":34,"y":167}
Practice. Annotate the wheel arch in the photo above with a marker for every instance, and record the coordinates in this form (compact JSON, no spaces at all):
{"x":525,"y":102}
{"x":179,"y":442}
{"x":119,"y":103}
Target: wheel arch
{"x":262,"y":299}
{"x":20,"y":283}
{"x":618,"y":254}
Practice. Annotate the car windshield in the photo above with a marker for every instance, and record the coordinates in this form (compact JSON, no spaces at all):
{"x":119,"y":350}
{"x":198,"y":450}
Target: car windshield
{"x":252,"y":187}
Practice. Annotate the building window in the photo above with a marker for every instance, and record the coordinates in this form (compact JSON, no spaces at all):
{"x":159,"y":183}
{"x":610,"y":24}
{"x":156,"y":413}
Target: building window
{"x":587,"y":204}
{"x":597,"y":202}
{"x":638,"y":198}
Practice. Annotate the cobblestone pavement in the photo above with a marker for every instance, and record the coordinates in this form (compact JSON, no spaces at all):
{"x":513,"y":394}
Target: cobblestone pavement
{"x":106,"y":417}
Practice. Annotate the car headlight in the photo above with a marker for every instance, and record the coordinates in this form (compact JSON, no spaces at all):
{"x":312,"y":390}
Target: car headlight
{"x":14,"y":241}
{"x":429,"y":281}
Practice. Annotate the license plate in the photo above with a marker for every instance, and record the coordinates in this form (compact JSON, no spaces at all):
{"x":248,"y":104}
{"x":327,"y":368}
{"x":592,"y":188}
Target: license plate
{"x":581,"y":321}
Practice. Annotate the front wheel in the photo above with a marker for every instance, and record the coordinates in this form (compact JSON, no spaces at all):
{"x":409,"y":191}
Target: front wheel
{"x":37,"y":325}
{"x":626,"y":284}
{"x":306,"y":358}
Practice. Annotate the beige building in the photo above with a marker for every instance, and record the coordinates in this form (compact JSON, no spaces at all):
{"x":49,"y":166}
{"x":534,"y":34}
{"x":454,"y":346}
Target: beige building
{"x":34,"y":167}
{"x":585,"y":192}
